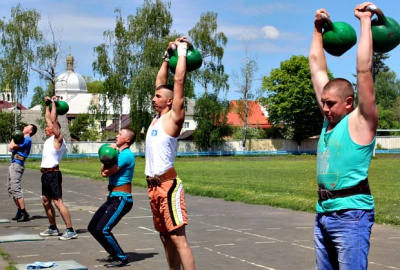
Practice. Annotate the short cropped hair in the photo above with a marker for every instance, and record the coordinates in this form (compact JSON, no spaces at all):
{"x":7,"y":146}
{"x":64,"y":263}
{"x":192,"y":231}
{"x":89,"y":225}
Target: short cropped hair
{"x":342,"y":87}
{"x":34,"y":129}
{"x":131,"y":135}
{"x":165,"y":86}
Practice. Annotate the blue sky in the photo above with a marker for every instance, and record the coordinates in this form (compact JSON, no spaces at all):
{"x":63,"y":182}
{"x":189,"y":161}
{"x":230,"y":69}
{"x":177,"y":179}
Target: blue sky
{"x":276,"y":29}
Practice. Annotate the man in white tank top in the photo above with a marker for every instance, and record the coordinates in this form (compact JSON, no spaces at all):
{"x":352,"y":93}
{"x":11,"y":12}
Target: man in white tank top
{"x":165,"y":189}
{"x":53,"y":149}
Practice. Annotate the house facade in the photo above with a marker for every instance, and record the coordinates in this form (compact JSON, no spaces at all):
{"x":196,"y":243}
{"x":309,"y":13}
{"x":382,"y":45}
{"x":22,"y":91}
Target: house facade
{"x":257,"y":114}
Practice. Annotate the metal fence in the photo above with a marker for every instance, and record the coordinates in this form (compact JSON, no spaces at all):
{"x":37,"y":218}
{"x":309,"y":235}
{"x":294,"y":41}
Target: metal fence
{"x":384,"y":145}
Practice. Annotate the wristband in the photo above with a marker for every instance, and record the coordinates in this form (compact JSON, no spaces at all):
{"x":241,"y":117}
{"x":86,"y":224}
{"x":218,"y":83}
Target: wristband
{"x":182,"y":49}
{"x":166,"y":56}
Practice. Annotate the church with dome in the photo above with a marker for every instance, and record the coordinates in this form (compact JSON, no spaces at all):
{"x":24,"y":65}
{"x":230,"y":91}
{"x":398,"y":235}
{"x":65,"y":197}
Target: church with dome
{"x":70,"y":83}
{"x":71,"y":87}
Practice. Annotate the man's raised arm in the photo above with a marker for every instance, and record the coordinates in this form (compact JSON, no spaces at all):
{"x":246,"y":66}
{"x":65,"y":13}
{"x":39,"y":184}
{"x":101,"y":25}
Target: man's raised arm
{"x":367,"y":111}
{"x":317,"y":60}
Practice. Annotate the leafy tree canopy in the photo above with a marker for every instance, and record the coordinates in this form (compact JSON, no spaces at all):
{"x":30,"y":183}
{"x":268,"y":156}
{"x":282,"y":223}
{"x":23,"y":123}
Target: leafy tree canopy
{"x":291,"y":99}
{"x":211,"y":117}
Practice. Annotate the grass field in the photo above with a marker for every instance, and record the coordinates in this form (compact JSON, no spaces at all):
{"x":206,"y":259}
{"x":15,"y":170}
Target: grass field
{"x":279,"y":181}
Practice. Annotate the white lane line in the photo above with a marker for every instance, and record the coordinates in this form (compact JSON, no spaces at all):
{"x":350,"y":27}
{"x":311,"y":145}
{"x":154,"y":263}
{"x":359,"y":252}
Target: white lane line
{"x":147,"y":229}
{"x":238,"y":259}
{"x":239,"y":231}
{"x":247,"y":233}
{"x":302,"y":246}
{"x":265,"y":242}
{"x":304,"y":240}
{"x":71,"y":253}
{"x":137,"y":217}
{"x":222,"y":245}
{"x":382,"y":265}
{"x":27,"y":256}
{"x":143,"y":208}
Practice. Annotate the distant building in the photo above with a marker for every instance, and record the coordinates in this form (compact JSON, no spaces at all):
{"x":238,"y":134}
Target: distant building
{"x":71,"y":88}
{"x":189,"y":125}
{"x":257,"y":116}
{"x":7,"y":102}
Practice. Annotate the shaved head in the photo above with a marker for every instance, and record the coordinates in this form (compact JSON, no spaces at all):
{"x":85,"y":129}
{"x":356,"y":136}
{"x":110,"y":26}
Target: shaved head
{"x":342,"y":87}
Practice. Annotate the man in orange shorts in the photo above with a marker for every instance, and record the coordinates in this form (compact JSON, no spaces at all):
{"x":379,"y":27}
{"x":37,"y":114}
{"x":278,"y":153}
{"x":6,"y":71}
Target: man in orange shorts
{"x":165,"y":189}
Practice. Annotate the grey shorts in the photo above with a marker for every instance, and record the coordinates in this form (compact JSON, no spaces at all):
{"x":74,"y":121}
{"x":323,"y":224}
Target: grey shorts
{"x":15,"y":172}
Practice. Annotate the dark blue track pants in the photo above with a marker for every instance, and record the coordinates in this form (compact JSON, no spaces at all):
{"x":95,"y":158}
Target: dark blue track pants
{"x":105,"y":219}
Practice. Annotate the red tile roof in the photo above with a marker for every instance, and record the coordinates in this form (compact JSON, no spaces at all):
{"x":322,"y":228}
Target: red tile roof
{"x":7,"y":105}
{"x":256,"y":116}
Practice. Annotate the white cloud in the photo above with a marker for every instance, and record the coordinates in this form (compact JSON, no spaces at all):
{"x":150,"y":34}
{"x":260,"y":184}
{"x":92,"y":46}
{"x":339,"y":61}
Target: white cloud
{"x":241,"y":32}
{"x":270,"y":32}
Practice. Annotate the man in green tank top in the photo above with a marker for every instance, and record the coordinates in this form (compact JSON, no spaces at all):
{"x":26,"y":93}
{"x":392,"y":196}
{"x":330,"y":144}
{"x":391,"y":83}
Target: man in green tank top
{"x":345,"y":207}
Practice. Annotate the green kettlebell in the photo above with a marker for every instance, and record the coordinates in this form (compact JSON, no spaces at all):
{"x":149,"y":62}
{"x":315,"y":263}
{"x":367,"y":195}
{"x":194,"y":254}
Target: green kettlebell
{"x":107,"y":154}
{"x":337,"y":37}
{"x":62,"y":107}
{"x":18,"y":136}
{"x":385,"y":31}
{"x":194,"y":60}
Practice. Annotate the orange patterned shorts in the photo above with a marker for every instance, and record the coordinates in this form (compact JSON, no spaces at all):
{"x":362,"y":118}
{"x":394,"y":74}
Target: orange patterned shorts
{"x":167,"y":203}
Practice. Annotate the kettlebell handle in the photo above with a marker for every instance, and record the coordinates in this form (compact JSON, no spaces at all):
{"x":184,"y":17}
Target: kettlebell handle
{"x":327,"y":20}
{"x":324,"y":17}
{"x":375,"y":10}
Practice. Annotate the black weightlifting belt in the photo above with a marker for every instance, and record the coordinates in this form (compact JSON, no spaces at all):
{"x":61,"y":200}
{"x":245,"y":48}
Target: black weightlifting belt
{"x":361,"y":188}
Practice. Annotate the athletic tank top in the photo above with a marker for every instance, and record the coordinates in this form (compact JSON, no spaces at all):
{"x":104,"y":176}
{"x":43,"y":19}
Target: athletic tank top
{"x":160,"y":149}
{"x":50,"y":156}
{"x":342,"y":163}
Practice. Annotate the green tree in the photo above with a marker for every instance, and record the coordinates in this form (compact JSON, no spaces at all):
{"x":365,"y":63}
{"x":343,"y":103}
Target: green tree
{"x":387,"y":89}
{"x":211,"y":116}
{"x":7,"y":127}
{"x":150,"y":33}
{"x":38,"y":96}
{"x":387,"y":119}
{"x":19,"y":37}
{"x":210,"y":43}
{"x":113,"y":60}
{"x":291,"y":100}
{"x":84,"y":127}
{"x":94,"y":86}
{"x":379,"y":64}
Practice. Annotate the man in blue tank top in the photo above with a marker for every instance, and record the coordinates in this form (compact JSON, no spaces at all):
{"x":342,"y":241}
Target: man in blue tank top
{"x":119,"y":201}
{"x":345,"y":207}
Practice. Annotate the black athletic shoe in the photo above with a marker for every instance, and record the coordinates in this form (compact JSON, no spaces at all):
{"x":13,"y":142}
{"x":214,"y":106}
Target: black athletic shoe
{"x":117,"y":264}
{"x":107,"y":259}
{"x":17,"y":216}
{"x":23,"y":218}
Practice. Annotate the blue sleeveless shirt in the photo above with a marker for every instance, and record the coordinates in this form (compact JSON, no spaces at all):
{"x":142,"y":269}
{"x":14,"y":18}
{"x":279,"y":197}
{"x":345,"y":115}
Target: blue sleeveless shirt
{"x":342,"y":163}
